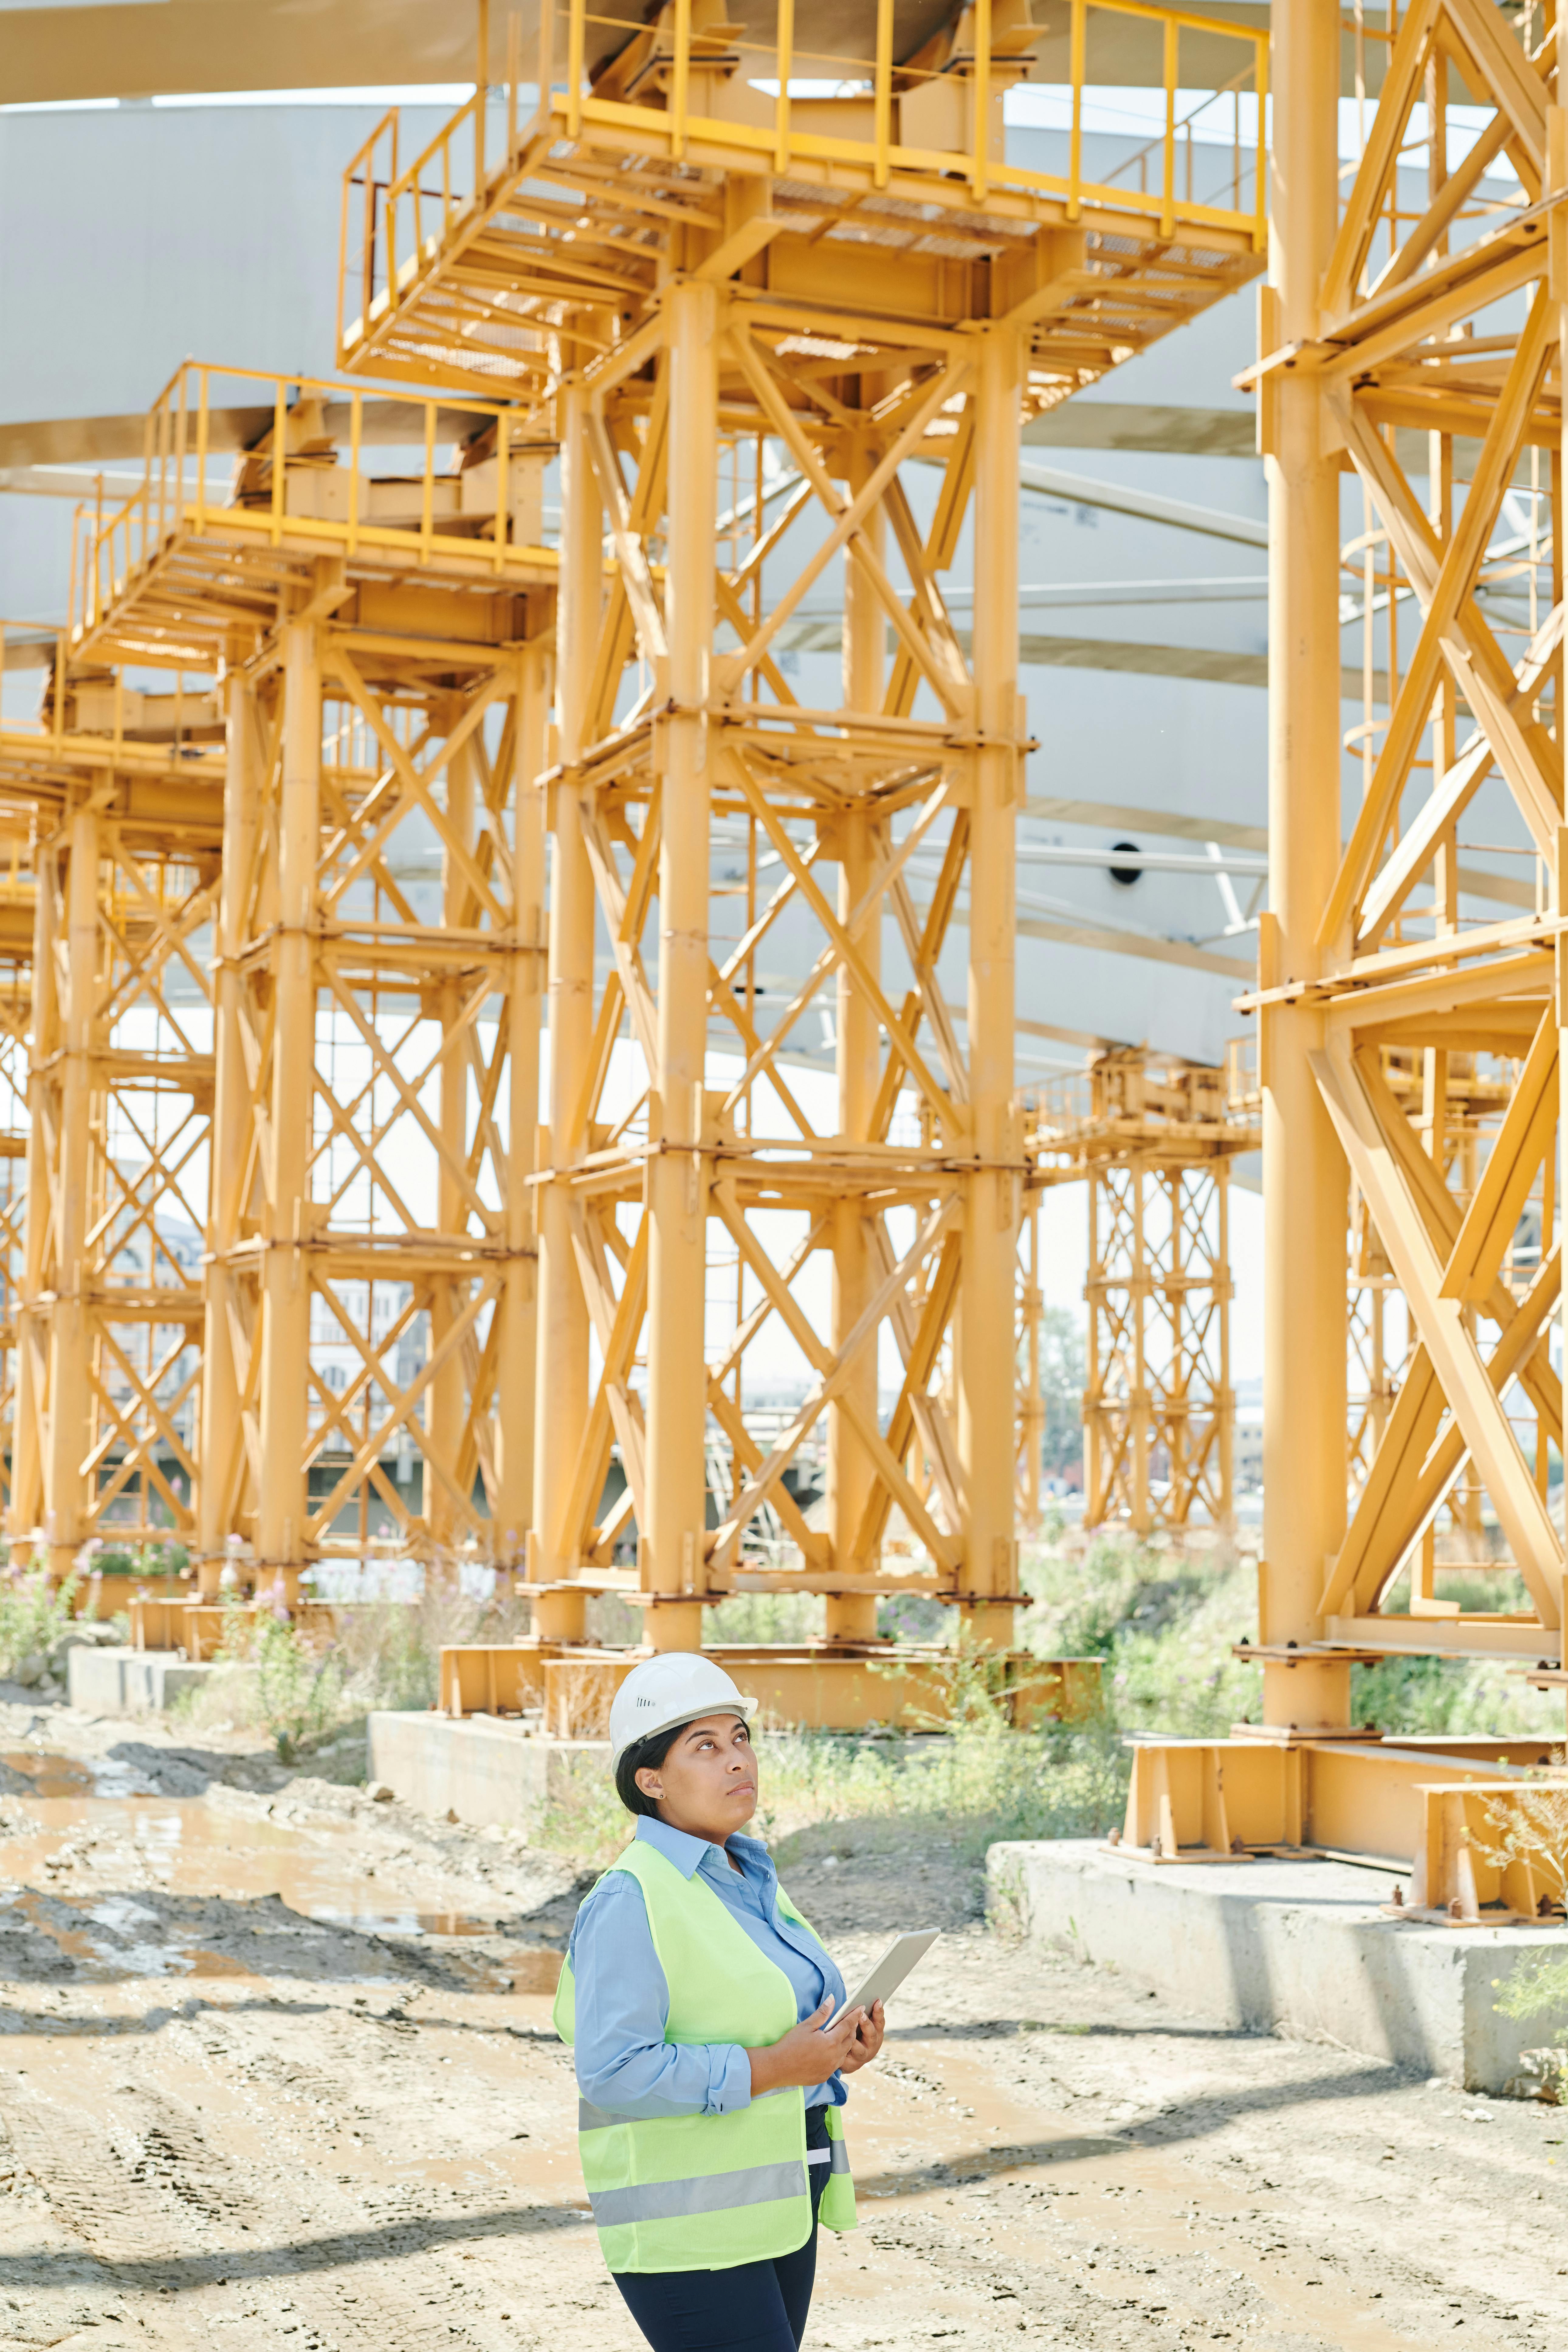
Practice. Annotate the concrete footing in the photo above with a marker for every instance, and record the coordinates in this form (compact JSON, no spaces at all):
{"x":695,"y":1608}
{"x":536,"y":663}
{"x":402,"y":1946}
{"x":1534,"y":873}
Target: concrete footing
{"x":125,"y":1681}
{"x":1302,"y":1947}
{"x":483,"y":1770}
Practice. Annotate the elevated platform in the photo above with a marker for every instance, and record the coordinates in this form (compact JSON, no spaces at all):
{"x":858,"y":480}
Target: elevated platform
{"x":1300,"y":1948}
{"x":186,"y":574}
{"x":456,"y":268}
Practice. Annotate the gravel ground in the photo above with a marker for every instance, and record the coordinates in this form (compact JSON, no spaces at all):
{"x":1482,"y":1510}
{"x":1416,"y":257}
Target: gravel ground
{"x":279,"y":2070}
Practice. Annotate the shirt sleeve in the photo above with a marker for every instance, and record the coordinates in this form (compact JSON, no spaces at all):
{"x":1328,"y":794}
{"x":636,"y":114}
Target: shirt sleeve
{"x":802,"y":1939}
{"x":623,"y":2064}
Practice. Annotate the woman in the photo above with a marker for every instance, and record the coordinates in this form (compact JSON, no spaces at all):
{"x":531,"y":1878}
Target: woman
{"x":699,"y":2004}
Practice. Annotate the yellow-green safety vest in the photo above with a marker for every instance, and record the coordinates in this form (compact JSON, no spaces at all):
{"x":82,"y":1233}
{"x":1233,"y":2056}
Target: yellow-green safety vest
{"x":705,"y":2192}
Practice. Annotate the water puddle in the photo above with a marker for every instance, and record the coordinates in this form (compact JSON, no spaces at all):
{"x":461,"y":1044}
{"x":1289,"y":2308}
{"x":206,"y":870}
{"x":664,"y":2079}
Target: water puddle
{"x":48,"y":1776}
{"x":99,"y":1886}
{"x":410,"y":1922}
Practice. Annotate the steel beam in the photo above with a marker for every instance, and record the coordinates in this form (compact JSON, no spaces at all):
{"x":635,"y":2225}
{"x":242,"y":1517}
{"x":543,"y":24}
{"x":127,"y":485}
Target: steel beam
{"x":1304,"y":1180}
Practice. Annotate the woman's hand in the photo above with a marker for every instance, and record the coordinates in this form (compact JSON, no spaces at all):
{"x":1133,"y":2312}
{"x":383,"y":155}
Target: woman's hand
{"x":867,"y":2039}
{"x":809,"y":2051}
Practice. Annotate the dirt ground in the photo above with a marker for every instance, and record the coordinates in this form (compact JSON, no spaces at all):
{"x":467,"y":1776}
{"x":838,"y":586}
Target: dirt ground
{"x":278,"y":2071}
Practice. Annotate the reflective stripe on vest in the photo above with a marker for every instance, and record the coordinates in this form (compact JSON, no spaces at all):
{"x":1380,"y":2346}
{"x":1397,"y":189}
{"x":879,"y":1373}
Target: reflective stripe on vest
{"x":706,"y":2192}
{"x":712,"y":2193}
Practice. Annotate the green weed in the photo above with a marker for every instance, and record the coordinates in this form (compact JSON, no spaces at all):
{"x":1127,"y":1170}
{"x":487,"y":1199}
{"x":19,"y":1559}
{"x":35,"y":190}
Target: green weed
{"x":35,"y":1614}
{"x":1539,"y":1988}
{"x":384,"y":1653}
{"x":299,"y":1688}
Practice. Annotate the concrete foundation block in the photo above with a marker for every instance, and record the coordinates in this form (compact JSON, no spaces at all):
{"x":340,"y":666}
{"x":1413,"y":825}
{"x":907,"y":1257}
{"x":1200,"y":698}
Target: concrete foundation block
{"x":1300,"y":1948}
{"x":482,"y":1769}
{"x":120,"y":1680}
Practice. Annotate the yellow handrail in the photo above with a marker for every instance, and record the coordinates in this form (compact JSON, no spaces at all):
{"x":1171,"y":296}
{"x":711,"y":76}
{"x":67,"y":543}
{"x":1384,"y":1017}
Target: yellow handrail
{"x":785,"y":65}
{"x":683,"y":69}
{"x":574,"y":47}
{"x":884,"y":89}
{"x":781,"y":143}
{"x":982,"y":142}
{"x":108,"y":553}
{"x":1168,"y":61}
{"x":1077,"y":45}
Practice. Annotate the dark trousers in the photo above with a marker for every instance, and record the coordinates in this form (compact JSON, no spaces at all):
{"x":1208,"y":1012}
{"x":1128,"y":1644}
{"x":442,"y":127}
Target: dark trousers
{"x":756,"y":2307}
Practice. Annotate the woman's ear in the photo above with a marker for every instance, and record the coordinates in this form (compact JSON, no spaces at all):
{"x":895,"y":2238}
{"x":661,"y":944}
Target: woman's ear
{"x":650,"y":1784}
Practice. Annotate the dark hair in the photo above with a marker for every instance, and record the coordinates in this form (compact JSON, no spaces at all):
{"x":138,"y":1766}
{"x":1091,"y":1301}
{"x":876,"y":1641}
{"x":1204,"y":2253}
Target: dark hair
{"x":644,"y":1755}
{"x":647,"y":1756}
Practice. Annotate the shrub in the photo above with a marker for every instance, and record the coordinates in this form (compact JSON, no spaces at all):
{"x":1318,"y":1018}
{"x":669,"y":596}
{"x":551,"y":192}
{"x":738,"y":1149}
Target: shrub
{"x":35,"y":1615}
{"x":1539,"y":1988}
{"x":300,"y":1686}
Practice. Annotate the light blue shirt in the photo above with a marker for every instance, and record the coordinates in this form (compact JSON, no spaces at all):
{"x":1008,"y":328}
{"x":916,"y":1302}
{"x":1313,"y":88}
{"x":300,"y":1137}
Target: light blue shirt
{"x":624,"y":2062}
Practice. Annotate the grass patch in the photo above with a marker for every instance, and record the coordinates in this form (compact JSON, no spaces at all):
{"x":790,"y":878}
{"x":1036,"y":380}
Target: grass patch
{"x":304,"y":1692}
{"x":963,"y":1786}
{"x":963,"y":1789}
{"x":1161,"y":1618}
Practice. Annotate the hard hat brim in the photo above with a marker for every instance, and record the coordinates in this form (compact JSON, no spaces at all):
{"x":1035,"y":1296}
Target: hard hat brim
{"x":741,"y":1705}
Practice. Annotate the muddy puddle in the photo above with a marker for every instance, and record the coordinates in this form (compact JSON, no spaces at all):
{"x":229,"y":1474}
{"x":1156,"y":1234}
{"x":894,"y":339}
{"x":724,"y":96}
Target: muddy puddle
{"x":98,"y":1886}
{"x":27,"y":1772}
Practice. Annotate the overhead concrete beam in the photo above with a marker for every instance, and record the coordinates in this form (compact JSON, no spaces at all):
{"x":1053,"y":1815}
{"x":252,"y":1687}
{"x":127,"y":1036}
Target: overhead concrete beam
{"x":106,"y":440}
{"x":1091,"y":424}
{"x":163,"y":46}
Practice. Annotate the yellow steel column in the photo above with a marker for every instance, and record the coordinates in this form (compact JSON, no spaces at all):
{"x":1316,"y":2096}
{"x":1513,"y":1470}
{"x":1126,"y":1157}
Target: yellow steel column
{"x":851,"y":1477}
{"x":673,"y":1541}
{"x":445,"y":1404}
{"x":985,"y":1342}
{"x":1224,"y":1292}
{"x":1140,"y":1292}
{"x":32,"y":1320}
{"x":1556,"y":162}
{"x":1304,"y":1180}
{"x":222,"y":1444}
{"x":561,"y":1393}
{"x":1094,"y":1496}
{"x":518,"y":1338}
{"x":70,"y":1393}
{"x":1032,"y":1417}
{"x":286,"y":1311}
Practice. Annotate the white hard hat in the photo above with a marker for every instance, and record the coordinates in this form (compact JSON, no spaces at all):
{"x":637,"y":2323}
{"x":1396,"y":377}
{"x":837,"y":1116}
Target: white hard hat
{"x":675,"y":1687}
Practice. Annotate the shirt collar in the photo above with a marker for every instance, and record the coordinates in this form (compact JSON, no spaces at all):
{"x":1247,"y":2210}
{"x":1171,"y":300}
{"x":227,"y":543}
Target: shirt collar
{"x":687,"y":1852}
{"x":675,"y":1845}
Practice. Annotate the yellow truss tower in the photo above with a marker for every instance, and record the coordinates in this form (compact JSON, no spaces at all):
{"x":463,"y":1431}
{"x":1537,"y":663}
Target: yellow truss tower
{"x":1409,"y":1049}
{"x":371,"y":899}
{"x":1422,"y":306}
{"x":775,"y":333}
{"x":18,"y":835}
{"x":116,"y":802}
{"x":1154,"y":1142}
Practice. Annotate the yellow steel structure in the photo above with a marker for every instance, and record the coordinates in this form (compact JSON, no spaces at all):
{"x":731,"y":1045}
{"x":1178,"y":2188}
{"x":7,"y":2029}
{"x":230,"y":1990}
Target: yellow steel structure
{"x":755,"y":316}
{"x":1409,"y":1054}
{"x":1153,"y":1140}
{"x":117,"y":801}
{"x":17,"y":891}
{"x":569,"y":1689}
{"x":1409,"y":308}
{"x":374,"y":897}
{"x":1029,"y":1307}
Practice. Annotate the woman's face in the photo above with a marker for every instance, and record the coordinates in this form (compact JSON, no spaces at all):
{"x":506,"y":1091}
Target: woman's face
{"x":707,"y":1785}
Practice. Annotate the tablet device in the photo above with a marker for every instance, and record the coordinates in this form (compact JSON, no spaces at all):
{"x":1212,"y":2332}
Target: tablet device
{"x":889,"y":1972}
